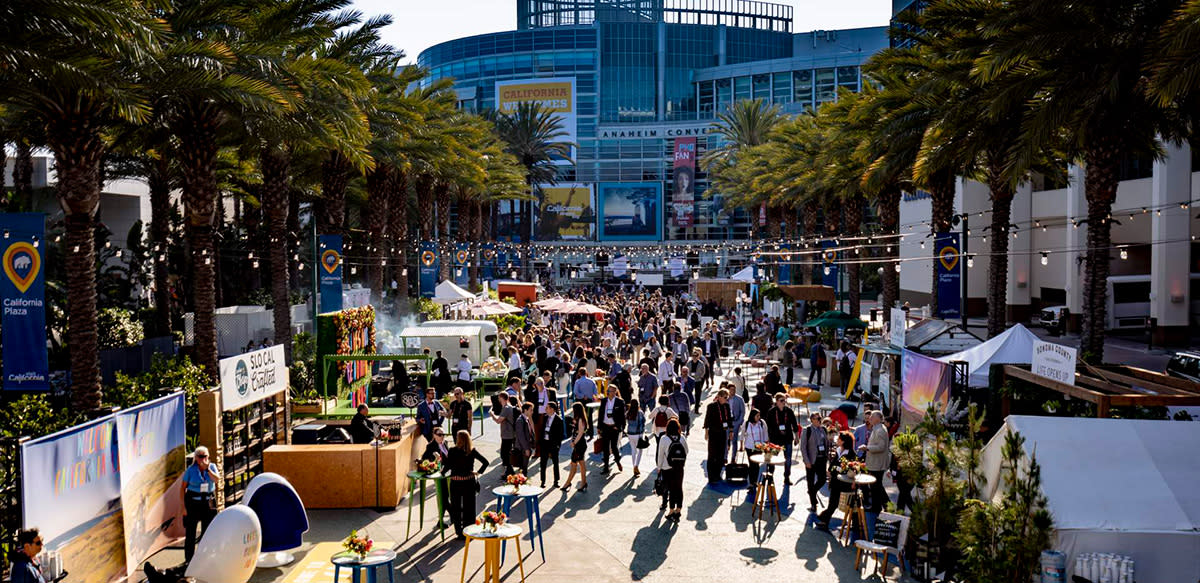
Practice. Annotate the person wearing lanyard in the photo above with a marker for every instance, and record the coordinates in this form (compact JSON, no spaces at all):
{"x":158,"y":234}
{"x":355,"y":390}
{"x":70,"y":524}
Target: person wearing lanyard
{"x":199,"y":489}
{"x":782,"y":431}
{"x":755,"y":434}
{"x":25,"y":567}
{"x":717,"y":423}
{"x":814,"y":450}
{"x":611,"y":424}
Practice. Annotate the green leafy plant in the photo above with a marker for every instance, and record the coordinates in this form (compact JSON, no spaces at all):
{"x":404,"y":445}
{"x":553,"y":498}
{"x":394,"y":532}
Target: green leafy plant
{"x":119,"y":328}
{"x":1002,"y":543}
{"x":426,"y":308}
{"x":303,"y":368}
{"x":510,"y":323}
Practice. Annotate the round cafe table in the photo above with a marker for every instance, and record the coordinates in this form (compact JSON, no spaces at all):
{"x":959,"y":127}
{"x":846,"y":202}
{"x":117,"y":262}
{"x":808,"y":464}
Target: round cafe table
{"x":531,"y":495}
{"x":765,"y":497}
{"x":416,"y":480}
{"x":492,"y":546}
{"x":855,"y":514}
{"x":373,"y":560}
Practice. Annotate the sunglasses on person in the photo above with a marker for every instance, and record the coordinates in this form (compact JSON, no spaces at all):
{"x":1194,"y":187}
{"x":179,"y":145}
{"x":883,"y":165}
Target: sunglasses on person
{"x":439,"y":434}
{"x":38,"y":542}
{"x":202,"y":456}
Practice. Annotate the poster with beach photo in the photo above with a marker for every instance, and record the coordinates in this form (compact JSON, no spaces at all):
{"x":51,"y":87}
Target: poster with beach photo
{"x":152,"y":445}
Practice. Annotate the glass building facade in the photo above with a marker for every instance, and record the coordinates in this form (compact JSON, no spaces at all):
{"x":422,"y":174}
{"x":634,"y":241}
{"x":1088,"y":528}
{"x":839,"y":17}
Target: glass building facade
{"x":648,"y":74}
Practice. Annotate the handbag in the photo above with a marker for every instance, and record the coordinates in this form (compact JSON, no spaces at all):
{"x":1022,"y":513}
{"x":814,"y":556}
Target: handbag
{"x":659,"y":488}
{"x":643,"y":442}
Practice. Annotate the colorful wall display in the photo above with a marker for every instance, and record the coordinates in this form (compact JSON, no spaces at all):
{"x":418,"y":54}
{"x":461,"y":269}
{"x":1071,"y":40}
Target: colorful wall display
{"x":22,"y":293}
{"x":683,"y":197}
{"x":924,"y":381}
{"x":330,"y":272}
{"x":348,"y":332}
{"x":949,"y":266}
{"x":630,"y":211}
{"x":565,"y":212}
{"x":105,"y":494}
{"x":428,"y":265}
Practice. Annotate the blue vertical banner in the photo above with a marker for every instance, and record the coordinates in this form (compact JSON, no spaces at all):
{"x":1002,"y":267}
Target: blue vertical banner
{"x":948,"y":262}
{"x":462,"y":263}
{"x":785,"y":266}
{"x":427,"y":262}
{"x":488,"y":263}
{"x":23,"y":289}
{"x":331,"y":273}
{"x":829,"y":267}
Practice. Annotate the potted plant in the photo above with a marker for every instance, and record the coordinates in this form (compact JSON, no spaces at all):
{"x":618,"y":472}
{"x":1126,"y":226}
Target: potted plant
{"x":769,"y":450}
{"x":358,"y":545}
{"x":428,"y":466}
{"x":515,"y":481}
{"x":490,"y":521}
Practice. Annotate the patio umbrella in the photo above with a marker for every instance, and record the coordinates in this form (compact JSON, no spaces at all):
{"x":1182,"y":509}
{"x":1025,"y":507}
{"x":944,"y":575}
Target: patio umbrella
{"x":835,"y":319}
{"x":582,"y":308}
{"x":485,"y":308}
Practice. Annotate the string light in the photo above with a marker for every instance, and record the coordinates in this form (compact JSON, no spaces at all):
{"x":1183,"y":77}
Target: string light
{"x":897,"y":267}
{"x":1124,"y":253}
{"x":970,"y":261}
{"x":1045,"y":258}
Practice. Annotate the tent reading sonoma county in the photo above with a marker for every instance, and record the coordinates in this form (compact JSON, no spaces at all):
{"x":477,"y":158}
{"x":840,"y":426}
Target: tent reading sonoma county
{"x":1124,"y":486}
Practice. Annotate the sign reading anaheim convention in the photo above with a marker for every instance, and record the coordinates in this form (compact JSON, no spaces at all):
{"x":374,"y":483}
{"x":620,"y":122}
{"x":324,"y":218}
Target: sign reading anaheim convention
{"x":656,"y":131}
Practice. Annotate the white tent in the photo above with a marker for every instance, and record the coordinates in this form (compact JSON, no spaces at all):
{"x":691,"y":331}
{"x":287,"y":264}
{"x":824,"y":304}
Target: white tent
{"x":448,"y":293}
{"x":1013,"y":346}
{"x":746,"y":274}
{"x":1124,"y":486}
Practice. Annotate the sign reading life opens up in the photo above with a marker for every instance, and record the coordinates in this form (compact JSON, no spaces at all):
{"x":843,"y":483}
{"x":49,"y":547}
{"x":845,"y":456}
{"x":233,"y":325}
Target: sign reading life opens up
{"x":253,"y":376}
{"x":1054,"y":361}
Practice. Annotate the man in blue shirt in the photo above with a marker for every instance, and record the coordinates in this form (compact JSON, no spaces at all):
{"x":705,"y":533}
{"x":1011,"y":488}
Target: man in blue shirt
{"x":585,"y":392}
{"x":199,"y":488}
{"x":430,"y":414}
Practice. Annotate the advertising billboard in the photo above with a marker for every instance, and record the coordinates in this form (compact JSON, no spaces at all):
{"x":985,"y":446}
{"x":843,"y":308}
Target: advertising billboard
{"x":23,"y":287}
{"x":924,"y":381}
{"x":565,"y":212}
{"x":683,"y":198}
{"x":555,"y":94}
{"x":630,"y":211}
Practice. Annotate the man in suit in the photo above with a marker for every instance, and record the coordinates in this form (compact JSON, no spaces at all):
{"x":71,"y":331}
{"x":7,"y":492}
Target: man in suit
{"x":712,"y":351}
{"x":737,"y":408}
{"x":718,"y":421}
{"x":782,"y":431}
{"x":612,"y":420}
{"x":814,"y":449}
{"x":551,"y":442}
{"x":541,"y":396}
{"x":430,"y":414}
{"x":362,"y":429}
{"x":878,"y":448}
{"x":525,"y":439}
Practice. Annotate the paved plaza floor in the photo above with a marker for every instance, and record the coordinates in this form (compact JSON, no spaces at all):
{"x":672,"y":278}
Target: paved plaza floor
{"x":612,"y":532}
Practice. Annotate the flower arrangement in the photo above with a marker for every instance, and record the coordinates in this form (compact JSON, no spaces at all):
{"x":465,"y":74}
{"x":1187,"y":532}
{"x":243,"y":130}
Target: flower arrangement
{"x":490,"y":520}
{"x":768,"y":448}
{"x":355,"y":333}
{"x":358,"y":545}
{"x":851,"y":467}
{"x":516,"y":481}
{"x":427,"y":466}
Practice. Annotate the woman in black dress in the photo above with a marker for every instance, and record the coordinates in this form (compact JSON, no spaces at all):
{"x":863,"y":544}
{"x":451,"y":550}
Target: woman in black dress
{"x":464,"y":480}
{"x":579,"y":432}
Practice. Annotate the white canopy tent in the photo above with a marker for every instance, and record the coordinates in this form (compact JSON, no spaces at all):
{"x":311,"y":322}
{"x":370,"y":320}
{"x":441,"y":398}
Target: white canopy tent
{"x":447,"y":293}
{"x":1124,"y":486}
{"x":1013,"y":346}
{"x":746,"y":274}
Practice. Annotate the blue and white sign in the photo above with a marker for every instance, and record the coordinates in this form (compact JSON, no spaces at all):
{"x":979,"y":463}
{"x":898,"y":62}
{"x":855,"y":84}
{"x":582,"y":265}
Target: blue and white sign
{"x":330,"y":272}
{"x":427,"y":263}
{"x":252,"y":377}
{"x":949,"y":274}
{"x":23,"y":290}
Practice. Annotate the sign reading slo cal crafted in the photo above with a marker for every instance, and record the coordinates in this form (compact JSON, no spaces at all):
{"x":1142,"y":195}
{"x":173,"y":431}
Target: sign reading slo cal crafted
{"x":23,"y":289}
{"x":252,"y":377}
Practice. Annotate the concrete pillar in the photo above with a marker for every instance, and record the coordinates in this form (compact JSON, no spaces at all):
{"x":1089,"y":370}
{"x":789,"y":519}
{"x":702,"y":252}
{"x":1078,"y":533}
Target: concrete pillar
{"x":1020,"y":261}
{"x":1171,"y":187}
{"x":1076,"y":244}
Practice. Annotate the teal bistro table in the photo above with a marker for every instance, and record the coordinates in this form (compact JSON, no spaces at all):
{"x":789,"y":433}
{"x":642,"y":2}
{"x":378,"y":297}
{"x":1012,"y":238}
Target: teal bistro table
{"x":373,"y":560}
{"x":531,"y":496}
{"x":416,"y":481}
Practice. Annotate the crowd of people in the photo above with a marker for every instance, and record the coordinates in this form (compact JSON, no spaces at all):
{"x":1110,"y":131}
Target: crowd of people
{"x":657,"y":361}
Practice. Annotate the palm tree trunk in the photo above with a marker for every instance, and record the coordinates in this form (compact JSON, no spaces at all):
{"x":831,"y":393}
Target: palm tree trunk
{"x":441,"y":197}
{"x":1100,"y":189}
{"x":997,"y":293}
{"x":159,"y":182}
{"x":293,"y":226}
{"x":888,"y":204}
{"x":476,"y":238}
{"x":23,"y":176}
{"x":775,"y":221}
{"x":198,"y":163}
{"x":276,"y":175}
{"x":425,"y":206}
{"x":335,"y":175}
{"x":942,"y":203}
{"x":398,"y":229}
{"x":78,"y":150}
{"x":378,"y":182}
{"x":810,"y":231}
{"x":853,"y":212}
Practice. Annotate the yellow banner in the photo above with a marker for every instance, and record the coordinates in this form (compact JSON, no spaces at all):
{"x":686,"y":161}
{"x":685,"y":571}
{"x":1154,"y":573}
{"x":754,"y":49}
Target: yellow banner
{"x":857,"y":367}
{"x":554,"y":96}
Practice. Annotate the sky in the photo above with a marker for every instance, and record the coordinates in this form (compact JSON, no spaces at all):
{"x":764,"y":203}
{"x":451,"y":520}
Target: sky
{"x":420,"y":24}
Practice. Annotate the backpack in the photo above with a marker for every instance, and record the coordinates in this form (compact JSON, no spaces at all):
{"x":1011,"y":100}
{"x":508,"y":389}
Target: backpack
{"x":660,"y":419}
{"x":676,"y":455}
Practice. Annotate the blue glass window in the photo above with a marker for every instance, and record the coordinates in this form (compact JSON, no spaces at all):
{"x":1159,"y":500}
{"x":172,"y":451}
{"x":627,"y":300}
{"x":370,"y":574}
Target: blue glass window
{"x":782,"y":89}
{"x":741,"y":88}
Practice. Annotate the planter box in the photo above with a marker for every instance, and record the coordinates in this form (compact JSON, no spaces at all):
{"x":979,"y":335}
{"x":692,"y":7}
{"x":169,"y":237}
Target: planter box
{"x":317,"y":407}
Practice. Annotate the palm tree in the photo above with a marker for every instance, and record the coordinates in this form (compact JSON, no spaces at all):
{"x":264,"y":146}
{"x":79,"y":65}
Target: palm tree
{"x":1081,"y":69}
{"x":535,"y":137}
{"x":745,"y":124}
{"x":67,"y":65}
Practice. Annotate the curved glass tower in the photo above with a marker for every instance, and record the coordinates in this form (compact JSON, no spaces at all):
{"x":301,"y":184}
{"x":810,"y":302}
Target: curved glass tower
{"x":639,"y":83}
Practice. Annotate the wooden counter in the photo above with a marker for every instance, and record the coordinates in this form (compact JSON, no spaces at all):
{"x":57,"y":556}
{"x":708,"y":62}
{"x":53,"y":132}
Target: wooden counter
{"x":344,"y":476}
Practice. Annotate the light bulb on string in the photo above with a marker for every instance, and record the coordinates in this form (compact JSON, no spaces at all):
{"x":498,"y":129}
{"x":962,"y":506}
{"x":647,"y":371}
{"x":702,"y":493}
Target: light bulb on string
{"x":970,"y":261}
{"x":1045,"y":258}
{"x":1124,"y":253}
{"x":897,"y":267}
